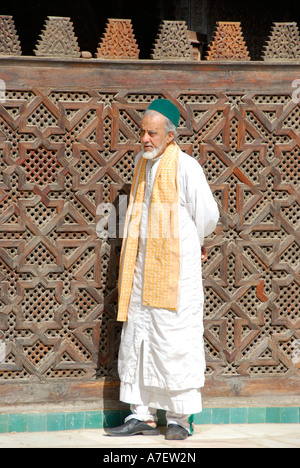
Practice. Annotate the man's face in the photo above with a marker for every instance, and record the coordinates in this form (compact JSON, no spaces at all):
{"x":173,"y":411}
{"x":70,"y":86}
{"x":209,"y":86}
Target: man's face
{"x":154,"y":139}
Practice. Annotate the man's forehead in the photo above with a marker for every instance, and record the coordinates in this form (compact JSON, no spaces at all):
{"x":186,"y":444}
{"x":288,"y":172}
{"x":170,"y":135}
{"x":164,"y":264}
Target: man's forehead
{"x":155,"y":121}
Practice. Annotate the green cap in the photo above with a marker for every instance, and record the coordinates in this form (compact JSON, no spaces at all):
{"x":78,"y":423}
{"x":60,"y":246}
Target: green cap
{"x":166,"y":108}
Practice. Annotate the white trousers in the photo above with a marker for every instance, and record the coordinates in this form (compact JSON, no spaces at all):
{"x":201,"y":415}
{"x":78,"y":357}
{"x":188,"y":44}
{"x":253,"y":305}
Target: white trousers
{"x":145,"y":413}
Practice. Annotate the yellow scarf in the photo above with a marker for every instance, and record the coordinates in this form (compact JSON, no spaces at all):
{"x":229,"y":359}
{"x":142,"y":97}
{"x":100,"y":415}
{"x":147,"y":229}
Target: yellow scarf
{"x":162,"y":261}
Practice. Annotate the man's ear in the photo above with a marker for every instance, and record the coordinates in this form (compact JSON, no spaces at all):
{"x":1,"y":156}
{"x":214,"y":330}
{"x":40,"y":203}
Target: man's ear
{"x":170,"y":137}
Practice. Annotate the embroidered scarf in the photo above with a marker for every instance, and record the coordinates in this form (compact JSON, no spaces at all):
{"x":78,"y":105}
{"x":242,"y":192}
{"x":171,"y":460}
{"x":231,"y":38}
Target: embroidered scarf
{"x":162,"y":260}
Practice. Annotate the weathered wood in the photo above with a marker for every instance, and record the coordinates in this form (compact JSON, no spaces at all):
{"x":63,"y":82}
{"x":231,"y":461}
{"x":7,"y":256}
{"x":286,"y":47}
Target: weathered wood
{"x":283,"y":43}
{"x":9,"y":40}
{"x":57,"y":39}
{"x":173,"y":42}
{"x":228,"y":43}
{"x":68,"y":135}
{"x":118,"y":41}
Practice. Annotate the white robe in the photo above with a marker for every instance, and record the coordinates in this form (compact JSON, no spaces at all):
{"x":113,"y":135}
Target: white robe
{"x":161,"y":357}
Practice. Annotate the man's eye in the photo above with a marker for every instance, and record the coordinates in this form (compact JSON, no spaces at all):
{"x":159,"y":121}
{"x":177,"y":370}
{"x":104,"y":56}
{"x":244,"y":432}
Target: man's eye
{"x":151,"y":133}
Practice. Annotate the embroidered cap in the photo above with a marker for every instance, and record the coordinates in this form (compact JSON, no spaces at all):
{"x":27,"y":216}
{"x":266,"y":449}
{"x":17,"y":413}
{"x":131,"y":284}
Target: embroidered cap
{"x":166,"y":108}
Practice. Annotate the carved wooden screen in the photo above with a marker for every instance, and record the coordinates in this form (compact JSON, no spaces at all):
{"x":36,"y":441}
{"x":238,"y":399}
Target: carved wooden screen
{"x":68,"y":136}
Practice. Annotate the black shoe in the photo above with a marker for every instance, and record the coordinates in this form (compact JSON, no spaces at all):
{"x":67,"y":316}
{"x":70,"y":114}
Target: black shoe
{"x":176,"y":432}
{"x":132,"y":427}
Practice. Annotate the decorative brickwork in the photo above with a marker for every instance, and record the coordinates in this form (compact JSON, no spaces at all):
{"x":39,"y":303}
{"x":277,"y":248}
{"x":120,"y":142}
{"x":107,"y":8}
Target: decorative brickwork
{"x":283,"y":43}
{"x":173,"y":42}
{"x":9,"y":41}
{"x":57,"y":39}
{"x":118,"y":41}
{"x":228,"y":43}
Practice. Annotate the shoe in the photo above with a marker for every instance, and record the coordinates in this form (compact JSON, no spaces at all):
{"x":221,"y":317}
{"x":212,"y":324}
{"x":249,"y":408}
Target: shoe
{"x":132,"y":427}
{"x":176,"y":432}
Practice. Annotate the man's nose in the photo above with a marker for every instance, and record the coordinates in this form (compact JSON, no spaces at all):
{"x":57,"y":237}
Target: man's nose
{"x":145,"y":138}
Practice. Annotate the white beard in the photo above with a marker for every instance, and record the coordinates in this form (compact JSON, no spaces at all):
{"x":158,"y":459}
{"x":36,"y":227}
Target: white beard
{"x":153,"y":154}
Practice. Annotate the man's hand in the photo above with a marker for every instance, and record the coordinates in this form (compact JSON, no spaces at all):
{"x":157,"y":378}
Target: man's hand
{"x":203,"y":253}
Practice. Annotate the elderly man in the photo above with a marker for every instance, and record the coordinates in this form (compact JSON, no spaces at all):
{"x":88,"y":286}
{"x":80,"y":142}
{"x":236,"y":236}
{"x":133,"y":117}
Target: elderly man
{"x":171,"y":210}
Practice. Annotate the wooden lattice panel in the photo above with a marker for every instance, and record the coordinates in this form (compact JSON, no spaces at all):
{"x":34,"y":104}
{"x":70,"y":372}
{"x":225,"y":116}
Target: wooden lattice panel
{"x":118,"y":41}
{"x":57,"y":39}
{"x":173,"y":42}
{"x":283,"y":43}
{"x":228,"y":43}
{"x":64,"y":152}
{"x":9,"y":40}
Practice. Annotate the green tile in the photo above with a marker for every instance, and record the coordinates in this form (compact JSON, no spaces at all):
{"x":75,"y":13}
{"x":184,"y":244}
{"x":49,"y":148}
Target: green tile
{"x":17,"y":422}
{"x":37,"y":422}
{"x":40,"y":422}
{"x":220,"y":415}
{"x":93,"y":420}
{"x":75,"y":420}
{"x":272,"y":415}
{"x":256,"y":415}
{"x":3,"y":423}
{"x":204,"y":417}
{"x":289,"y":415}
{"x":238,"y":415}
{"x":56,"y":422}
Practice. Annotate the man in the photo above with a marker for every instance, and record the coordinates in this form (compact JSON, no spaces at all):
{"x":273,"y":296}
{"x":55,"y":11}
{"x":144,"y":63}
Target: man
{"x":171,"y":210}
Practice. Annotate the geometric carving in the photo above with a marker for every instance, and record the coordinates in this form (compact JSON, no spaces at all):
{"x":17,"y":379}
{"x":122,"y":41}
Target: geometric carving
{"x":57,"y":39}
{"x":251,"y":284}
{"x":228,"y":43}
{"x":173,"y":42}
{"x":41,"y":166}
{"x":118,"y":41}
{"x":283,"y":43}
{"x":65,"y":151}
{"x":9,"y":41}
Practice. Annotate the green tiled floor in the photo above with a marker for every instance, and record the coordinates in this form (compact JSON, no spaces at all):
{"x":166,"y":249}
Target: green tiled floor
{"x":59,"y":421}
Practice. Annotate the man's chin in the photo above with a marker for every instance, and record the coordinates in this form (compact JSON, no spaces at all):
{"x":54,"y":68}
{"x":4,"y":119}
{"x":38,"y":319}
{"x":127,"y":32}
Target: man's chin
{"x":154,"y":153}
{"x":149,"y":154}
